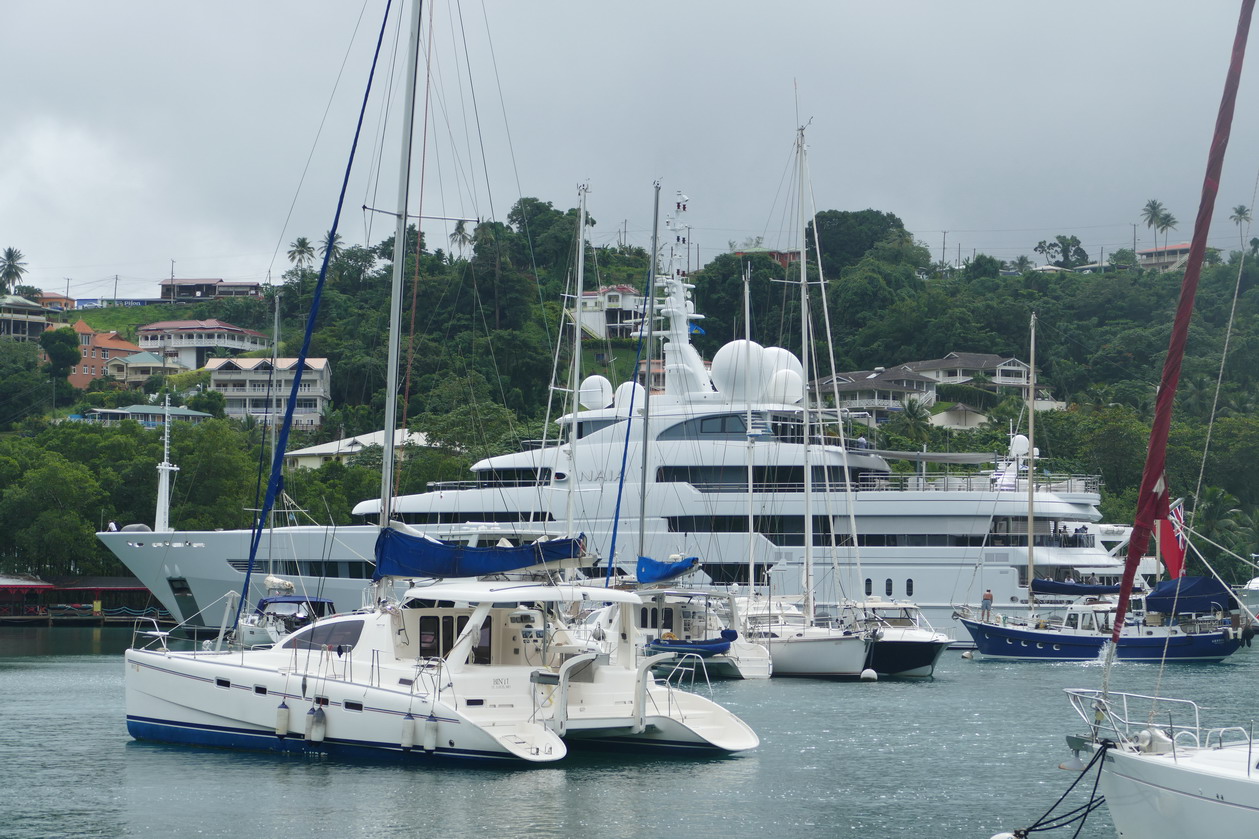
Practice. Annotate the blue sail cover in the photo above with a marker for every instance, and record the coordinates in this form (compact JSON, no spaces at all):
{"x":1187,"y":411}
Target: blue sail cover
{"x":400,"y":554}
{"x":654,"y":571}
{"x":1071,"y":589}
{"x":1190,"y":595}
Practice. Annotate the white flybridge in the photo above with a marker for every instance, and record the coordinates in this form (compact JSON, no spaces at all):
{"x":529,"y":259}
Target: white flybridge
{"x":938,"y":539}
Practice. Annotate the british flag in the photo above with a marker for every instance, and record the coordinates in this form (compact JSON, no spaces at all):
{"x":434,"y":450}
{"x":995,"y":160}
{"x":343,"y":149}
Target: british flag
{"x":1176,"y":515}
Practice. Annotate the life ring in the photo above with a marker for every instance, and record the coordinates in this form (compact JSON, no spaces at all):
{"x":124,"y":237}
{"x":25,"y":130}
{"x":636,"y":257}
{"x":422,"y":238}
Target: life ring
{"x":668,"y":636}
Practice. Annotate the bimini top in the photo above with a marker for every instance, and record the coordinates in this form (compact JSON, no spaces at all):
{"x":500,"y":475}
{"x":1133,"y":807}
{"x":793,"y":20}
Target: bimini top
{"x":500,"y":591}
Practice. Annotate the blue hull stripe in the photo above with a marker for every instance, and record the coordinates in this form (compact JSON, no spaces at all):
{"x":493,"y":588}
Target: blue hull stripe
{"x":1014,"y":642}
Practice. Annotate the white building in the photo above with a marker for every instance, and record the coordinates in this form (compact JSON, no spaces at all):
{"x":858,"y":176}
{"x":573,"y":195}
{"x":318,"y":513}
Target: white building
{"x":254,"y":387}
{"x":614,"y":311}
{"x":312,"y":457}
{"x":192,"y":342}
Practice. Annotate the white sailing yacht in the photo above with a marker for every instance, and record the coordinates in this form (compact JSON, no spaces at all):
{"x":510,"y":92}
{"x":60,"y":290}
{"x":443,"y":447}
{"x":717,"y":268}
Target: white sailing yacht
{"x":454,"y":668}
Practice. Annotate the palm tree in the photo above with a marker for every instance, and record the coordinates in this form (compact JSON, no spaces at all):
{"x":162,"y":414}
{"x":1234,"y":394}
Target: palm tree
{"x":12,"y":268}
{"x":913,"y":422}
{"x":331,"y":244}
{"x":1151,"y":213}
{"x":1022,"y":264}
{"x":1240,"y":216}
{"x":302,"y":253}
{"x":1166,"y":222}
{"x":461,"y":238}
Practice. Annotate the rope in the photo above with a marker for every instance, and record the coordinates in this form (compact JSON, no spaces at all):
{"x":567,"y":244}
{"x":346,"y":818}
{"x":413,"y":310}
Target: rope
{"x":1077,"y":815}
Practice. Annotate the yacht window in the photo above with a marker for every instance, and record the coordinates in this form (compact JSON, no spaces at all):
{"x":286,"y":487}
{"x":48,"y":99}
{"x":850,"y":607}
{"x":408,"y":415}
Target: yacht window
{"x":888,"y":586}
{"x":1073,"y":621}
{"x":869,"y":587}
{"x":260,"y":690}
{"x":1086,"y":621}
{"x":339,"y":635}
{"x":222,"y":683}
{"x":909,"y":588}
{"x":727,"y":426}
{"x":667,"y":618}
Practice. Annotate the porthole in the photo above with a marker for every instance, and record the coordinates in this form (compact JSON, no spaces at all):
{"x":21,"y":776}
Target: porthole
{"x":887,"y":586}
{"x":1057,"y":646}
{"x":869,"y":586}
{"x":909,"y":588}
{"x":1024,"y":643}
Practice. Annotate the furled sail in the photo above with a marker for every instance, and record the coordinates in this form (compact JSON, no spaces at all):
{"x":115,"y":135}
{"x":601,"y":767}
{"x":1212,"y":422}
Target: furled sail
{"x":403,"y":552}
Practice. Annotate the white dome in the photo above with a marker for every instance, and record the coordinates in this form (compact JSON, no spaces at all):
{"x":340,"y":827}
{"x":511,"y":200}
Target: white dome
{"x":785,"y":386}
{"x":596,"y":392}
{"x":739,"y":371}
{"x":1018,"y":445}
{"x":626,"y":392}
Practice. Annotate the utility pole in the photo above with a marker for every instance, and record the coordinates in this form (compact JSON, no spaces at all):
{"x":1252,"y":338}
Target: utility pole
{"x":115,"y":289}
{"x":943,"y":243}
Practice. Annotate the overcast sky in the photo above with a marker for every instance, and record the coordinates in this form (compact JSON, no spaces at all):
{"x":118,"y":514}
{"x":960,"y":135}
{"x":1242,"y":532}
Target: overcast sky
{"x":144,"y":132}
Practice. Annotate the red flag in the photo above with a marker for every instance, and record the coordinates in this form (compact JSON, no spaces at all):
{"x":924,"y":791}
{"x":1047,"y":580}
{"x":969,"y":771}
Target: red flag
{"x":1171,"y":540}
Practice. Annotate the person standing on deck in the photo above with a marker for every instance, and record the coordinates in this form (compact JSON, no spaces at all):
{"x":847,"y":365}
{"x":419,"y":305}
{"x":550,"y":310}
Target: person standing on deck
{"x":986,"y":612}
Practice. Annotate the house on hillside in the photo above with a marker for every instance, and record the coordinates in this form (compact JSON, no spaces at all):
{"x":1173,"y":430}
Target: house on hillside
{"x":135,"y":369}
{"x":191,"y":291}
{"x":20,"y":319}
{"x":192,"y":342}
{"x":340,"y":451}
{"x":55,"y":302}
{"x":150,"y":416}
{"x":879,"y":393}
{"x":254,"y":387}
{"x":97,"y":349}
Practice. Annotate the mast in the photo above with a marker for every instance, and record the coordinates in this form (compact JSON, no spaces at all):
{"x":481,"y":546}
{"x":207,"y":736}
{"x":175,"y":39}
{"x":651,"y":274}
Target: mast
{"x":747,"y":372}
{"x":1031,"y":467}
{"x":399,"y":258}
{"x":161,"y":517}
{"x":649,"y":323}
{"x":574,"y":376}
{"x":1152,"y":496}
{"x":804,"y":400}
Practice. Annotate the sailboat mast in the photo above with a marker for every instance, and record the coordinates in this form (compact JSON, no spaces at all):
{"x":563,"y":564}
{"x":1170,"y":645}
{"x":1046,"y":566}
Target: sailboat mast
{"x":804,"y":400}
{"x":399,"y":259}
{"x":1031,"y":465}
{"x":161,"y":516}
{"x":574,"y":376}
{"x":747,"y":373}
{"x":649,"y":324}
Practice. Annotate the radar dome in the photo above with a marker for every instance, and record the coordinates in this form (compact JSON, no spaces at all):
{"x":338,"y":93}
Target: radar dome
{"x":596,"y":392}
{"x":625,"y":393}
{"x":785,"y":386}
{"x":1019,"y":445}
{"x":739,"y":371}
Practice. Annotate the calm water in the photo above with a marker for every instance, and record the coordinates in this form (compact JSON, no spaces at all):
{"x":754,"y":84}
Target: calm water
{"x":972,"y":752}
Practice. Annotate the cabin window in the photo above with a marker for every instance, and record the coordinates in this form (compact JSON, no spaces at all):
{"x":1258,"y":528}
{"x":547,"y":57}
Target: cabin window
{"x":1073,"y":621}
{"x":887,"y":587}
{"x":438,"y":634}
{"x":666,"y":621}
{"x":1086,"y":621}
{"x":909,"y":588}
{"x":342,"y":635}
{"x":222,"y":683}
{"x":260,"y":690}
{"x":351,"y":705}
{"x":869,"y":587}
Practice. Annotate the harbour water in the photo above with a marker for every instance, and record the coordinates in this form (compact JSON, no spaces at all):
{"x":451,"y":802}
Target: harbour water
{"x":967,"y":754}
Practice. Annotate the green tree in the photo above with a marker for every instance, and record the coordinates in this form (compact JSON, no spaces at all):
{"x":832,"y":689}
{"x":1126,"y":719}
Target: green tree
{"x":913,"y":422}
{"x":49,"y":532}
{"x":844,"y":236}
{"x":302,"y":253}
{"x":1239,"y":217}
{"x":1064,"y":251}
{"x":62,"y":348}
{"x":12,"y":267}
{"x":461,"y":238}
{"x":331,"y":244}
{"x":1152,"y":213}
{"x":1166,"y":222}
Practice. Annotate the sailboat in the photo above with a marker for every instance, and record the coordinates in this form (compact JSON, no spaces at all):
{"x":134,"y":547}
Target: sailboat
{"x":455,"y":668}
{"x":799,"y":643}
{"x":1155,"y":628}
{"x":1165,"y":773}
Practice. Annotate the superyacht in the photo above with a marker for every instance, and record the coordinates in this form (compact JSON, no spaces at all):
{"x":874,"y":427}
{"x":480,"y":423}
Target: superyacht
{"x":720,"y":487}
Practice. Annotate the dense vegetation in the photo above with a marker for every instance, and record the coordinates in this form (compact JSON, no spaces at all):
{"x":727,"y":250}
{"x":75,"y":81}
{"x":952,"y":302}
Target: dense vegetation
{"x":481,"y":358}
